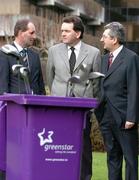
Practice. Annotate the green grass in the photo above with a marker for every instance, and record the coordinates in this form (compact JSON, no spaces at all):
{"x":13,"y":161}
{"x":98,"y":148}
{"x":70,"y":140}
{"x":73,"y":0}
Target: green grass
{"x":100,"y":167}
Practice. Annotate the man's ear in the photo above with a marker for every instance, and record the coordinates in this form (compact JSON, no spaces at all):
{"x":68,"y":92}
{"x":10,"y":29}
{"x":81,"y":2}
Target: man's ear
{"x":115,"y":40}
{"x":78,"y":34}
{"x":20,"y":33}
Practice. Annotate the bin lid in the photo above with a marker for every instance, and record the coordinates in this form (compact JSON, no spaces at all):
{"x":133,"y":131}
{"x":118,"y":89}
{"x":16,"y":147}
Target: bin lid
{"x":27,"y":99}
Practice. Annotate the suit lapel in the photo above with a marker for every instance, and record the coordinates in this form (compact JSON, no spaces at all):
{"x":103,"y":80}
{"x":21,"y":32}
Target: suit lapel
{"x":105,"y":64}
{"x":82,"y":55}
{"x":30,"y":58}
{"x":63,"y":52}
{"x":117,"y":62}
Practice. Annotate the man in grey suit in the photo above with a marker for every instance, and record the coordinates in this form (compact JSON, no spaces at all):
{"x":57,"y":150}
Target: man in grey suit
{"x":118,"y":110}
{"x":59,"y":71}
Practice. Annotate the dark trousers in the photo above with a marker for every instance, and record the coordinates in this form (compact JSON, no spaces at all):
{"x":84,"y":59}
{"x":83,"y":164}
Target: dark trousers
{"x":86,"y":163}
{"x":120,"y":143}
{"x":2,"y":175}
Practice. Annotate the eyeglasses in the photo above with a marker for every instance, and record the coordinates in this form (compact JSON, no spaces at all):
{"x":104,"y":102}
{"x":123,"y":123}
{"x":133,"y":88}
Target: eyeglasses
{"x":106,"y":37}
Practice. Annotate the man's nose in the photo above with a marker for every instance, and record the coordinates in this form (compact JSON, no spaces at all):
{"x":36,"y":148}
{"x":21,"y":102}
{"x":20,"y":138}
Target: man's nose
{"x":63,"y":33}
{"x":34,"y":36}
{"x":101,"y":39}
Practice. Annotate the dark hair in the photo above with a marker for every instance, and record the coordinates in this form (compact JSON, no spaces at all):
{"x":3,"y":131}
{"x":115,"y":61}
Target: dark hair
{"x":116,"y":30}
{"x":77,"y":23}
{"x":22,"y":25}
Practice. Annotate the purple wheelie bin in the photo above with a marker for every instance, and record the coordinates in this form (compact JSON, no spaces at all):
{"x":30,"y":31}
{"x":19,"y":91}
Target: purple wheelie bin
{"x":2,"y":136}
{"x":44,"y":136}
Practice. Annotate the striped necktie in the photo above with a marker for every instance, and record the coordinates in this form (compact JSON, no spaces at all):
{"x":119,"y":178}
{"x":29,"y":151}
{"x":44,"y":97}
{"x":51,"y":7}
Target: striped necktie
{"x":23,"y":53}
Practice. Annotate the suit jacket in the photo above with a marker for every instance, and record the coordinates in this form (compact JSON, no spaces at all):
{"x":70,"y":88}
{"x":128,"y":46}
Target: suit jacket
{"x":120,"y":87}
{"x":12,"y":83}
{"x":58,"y":70}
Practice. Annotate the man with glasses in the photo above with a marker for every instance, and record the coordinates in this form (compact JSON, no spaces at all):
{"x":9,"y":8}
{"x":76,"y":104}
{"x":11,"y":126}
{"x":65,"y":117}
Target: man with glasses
{"x":117,"y":112}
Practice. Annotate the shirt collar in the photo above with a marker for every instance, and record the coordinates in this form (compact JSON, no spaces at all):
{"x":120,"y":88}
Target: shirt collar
{"x":117,"y":51}
{"x":77,"y":46}
{"x":19,"y":48}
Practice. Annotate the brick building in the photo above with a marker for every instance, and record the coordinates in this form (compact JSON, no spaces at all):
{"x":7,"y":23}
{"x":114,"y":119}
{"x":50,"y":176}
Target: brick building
{"x":47,"y":15}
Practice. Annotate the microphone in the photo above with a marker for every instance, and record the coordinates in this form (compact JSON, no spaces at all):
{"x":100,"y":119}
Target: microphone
{"x":73,"y":80}
{"x":76,"y":79}
{"x":95,"y":75}
{"x":83,"y":71}
{"x":16,"y":71}
{"x":24,"y":71}
{"x":10,"y":49}
{"x":92,"y":75}
{"x":16,"y":68}
{"x":19,"y":69}
{"x":83,"y":67}
{"x":80,"y":75}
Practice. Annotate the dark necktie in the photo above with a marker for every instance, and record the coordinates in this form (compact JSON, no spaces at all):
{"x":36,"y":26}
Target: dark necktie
{"x":110,"y":60}
{"x":72,"y":60}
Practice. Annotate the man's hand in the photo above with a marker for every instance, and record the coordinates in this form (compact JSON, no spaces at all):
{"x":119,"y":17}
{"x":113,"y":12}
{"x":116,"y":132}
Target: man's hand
{"x":129,"y":124}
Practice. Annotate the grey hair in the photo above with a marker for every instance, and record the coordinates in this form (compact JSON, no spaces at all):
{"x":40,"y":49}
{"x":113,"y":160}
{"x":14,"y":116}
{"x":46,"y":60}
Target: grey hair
{"x":116,"y":30}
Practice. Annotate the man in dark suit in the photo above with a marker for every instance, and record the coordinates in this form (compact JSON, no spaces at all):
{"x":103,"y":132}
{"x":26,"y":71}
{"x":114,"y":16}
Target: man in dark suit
{"x":10,"y":82}
{"x":59,"y":71}
{"x":118,"y":110}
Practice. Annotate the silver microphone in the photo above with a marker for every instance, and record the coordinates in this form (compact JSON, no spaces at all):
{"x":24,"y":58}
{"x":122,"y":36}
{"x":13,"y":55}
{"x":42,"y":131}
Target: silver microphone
{"x":24,"y":71}
{"x":75,"y":79}
{"x":83,"y":71}
{"x":94,"y":75}
{"x":78,"y":77}
{"x":82,"y":75}
{"x":16,"y":68}
{"x":16,"y":71}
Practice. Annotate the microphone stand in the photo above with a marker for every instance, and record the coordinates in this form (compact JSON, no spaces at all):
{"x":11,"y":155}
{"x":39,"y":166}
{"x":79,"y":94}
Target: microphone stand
{"x":86,"y":85}
{"x":16,"y":71}
{"x":72,"y":81}
{"x":71,"y":94}
{"x":92,"y":75}
{"x":67,"y":88}
{"x":24,"y":73}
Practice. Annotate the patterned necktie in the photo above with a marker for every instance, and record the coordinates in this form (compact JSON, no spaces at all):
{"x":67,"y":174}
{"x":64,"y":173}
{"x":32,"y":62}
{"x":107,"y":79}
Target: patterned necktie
{"x":23,"y":53}
{"x":110,"y":60}
{"x":72,"y":60}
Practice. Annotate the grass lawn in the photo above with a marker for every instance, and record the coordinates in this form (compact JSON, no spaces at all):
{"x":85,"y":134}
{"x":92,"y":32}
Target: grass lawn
{"x":100,"y":166}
